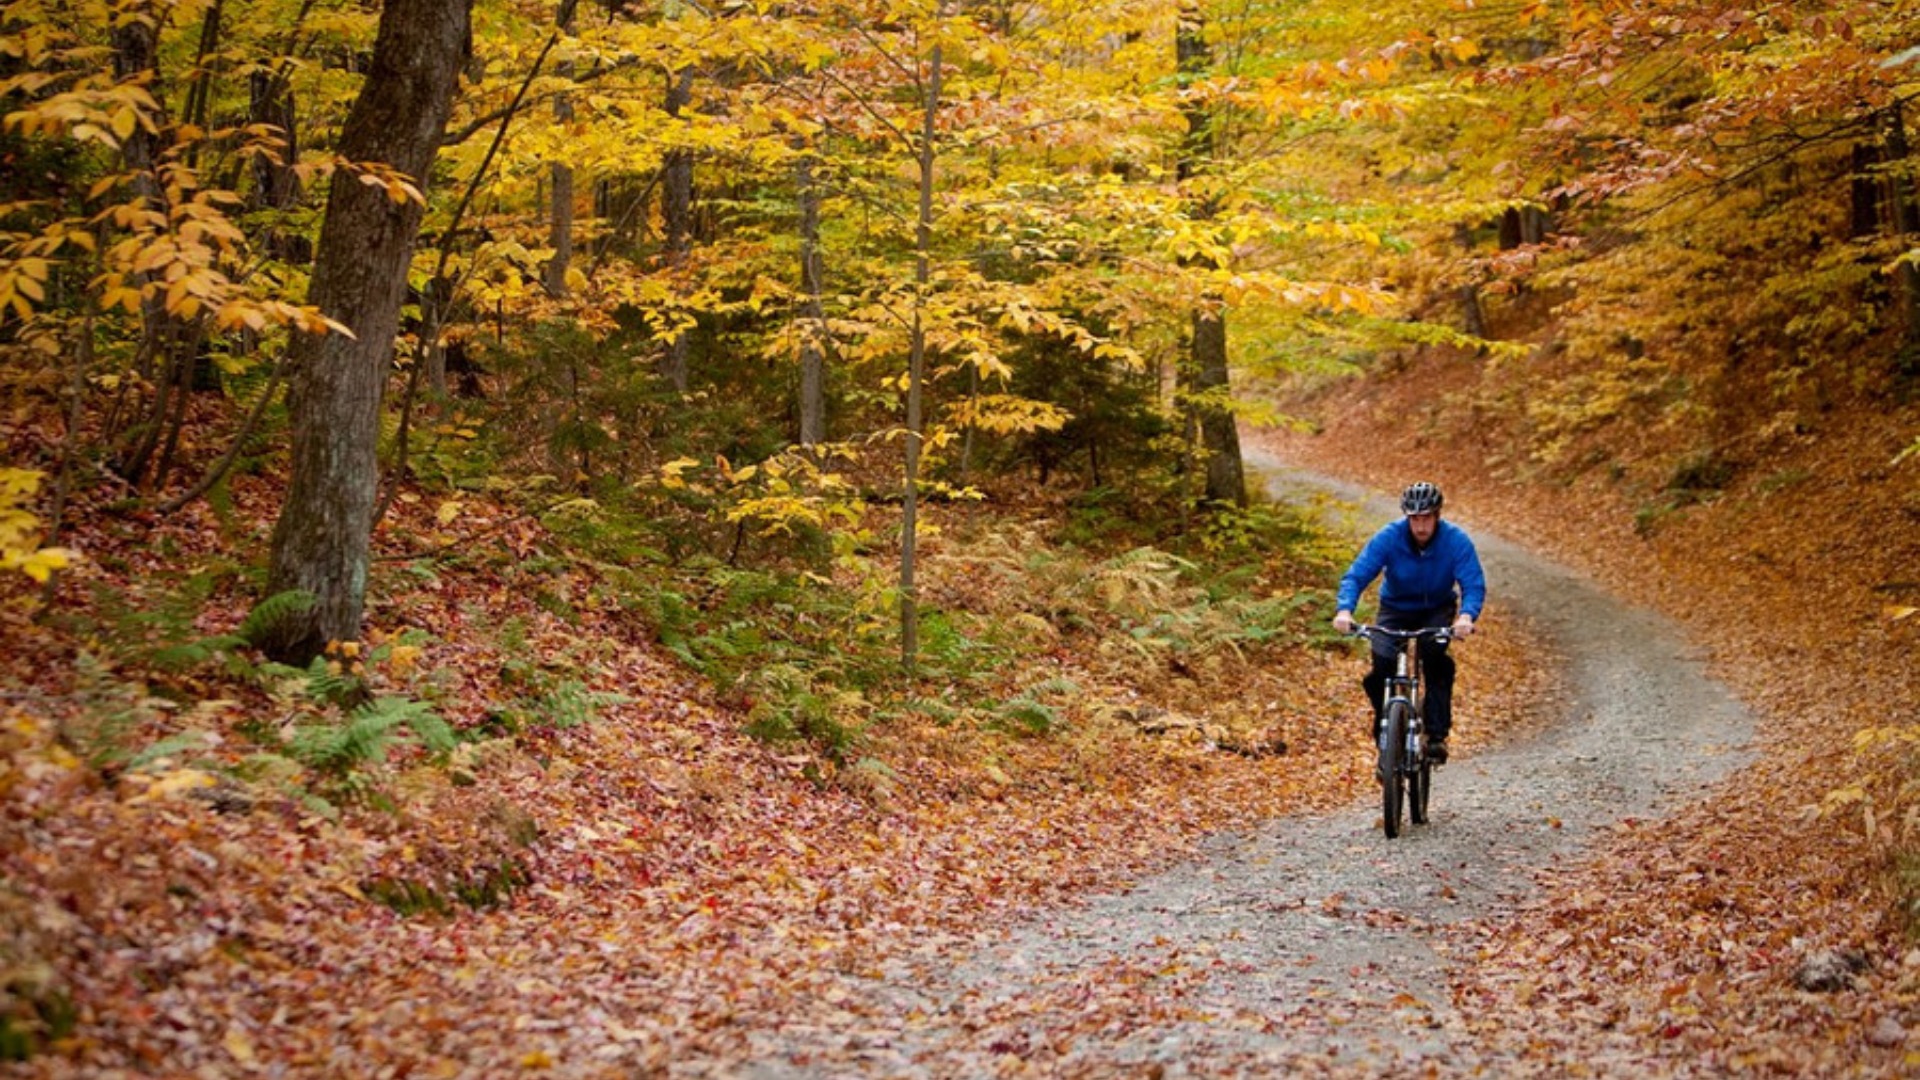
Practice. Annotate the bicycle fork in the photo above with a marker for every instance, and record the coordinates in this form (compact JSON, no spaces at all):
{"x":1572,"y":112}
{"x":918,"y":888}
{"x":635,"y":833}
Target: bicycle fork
{"x":1401,"y":687}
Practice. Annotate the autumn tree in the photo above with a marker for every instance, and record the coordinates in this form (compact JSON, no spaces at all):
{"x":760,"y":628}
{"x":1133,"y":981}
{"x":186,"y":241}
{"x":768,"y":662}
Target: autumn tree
{"x":1210,"y":382}
{"x":132,"y":268}
{"x":321,"y":541}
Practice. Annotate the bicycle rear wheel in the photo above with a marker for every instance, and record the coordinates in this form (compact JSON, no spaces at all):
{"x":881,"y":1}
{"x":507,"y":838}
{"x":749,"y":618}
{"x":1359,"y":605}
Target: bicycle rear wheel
{"x":1393,"y":782}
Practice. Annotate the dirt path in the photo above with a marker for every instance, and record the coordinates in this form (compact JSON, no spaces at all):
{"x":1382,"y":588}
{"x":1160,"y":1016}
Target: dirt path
{"x":1311,"y":942}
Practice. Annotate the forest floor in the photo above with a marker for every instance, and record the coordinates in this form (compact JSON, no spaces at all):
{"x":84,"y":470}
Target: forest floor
{"x":1682,"y":937}
{"x":689,"y":901}
{"x":1309,"y":944}
{"x":646,"y":890}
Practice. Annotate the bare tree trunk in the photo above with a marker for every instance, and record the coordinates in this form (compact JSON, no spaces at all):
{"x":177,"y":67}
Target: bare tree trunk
{"x":200,"y":90}
{"x":186,"y":357}
{"x":1864,"y":219}
{"x":677,"y":210}
{"x":813,"y":333}
{"x":1510,"y":229}
{"x":967,"y":437}
{"x":916,"y":377}
{"x":1473,"y":317}
{"x":1207,"y":363}
{"x":322,"y":539}
{"x":1226,"y":474}
{"x":561,"y":234}
{"x":1534,"y":223}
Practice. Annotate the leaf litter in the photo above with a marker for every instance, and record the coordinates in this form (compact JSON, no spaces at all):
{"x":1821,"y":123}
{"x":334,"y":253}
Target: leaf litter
{"x":699,"y":903}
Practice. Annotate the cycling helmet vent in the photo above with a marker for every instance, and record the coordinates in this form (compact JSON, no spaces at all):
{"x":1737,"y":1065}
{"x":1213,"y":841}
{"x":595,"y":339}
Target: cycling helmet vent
{"x":1421,"y":498}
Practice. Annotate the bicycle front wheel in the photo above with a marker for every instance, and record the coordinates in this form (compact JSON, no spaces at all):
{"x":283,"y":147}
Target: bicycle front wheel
{"x":1419,"y":786}
{"x":1393,"y":782}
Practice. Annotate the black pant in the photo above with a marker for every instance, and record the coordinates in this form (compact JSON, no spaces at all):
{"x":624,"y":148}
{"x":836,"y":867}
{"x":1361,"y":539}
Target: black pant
{"x":1436,"y":667}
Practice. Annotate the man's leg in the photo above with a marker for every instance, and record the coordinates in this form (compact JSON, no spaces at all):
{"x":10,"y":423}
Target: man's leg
{"x":1375,"y":682}
{"x":1436,"y":671}
{"x":1437,"y":666}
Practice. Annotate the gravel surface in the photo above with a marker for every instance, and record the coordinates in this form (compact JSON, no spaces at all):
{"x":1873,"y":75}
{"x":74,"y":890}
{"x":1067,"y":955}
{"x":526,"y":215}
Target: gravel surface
{"x":1310,"y":943}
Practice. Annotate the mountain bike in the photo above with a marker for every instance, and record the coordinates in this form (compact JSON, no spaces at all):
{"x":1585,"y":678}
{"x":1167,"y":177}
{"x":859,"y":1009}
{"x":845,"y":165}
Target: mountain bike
{"x":1406,"y":774}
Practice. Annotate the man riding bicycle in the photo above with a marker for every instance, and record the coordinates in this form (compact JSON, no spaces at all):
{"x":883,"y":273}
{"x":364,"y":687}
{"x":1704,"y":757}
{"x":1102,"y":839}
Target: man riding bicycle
{"x":1423,"y":559}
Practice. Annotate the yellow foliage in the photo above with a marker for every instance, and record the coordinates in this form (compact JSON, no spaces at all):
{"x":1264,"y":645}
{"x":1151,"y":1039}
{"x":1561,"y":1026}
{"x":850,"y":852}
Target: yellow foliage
{"x":20,"y":530}
{"x":174,"y":783}
{"x":1008,"y":414}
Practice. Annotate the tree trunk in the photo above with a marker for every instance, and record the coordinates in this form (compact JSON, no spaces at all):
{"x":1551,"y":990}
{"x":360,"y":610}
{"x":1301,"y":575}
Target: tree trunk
{"x":561,"y":234}
{"x":1207,"y":362}
{"x":321,"y":541}
{"x":1226,"y":474}
{"x":1534,"y":223}
{"x":1864,"y":221}
{"x":813,"y":332}
{"x":275,"y":185}
{"x":916,"y":376}
{"x":1510,"y":229}
{"x":136,"y":55}
{"x":677,"y":212}
{"x":1473,"y":316}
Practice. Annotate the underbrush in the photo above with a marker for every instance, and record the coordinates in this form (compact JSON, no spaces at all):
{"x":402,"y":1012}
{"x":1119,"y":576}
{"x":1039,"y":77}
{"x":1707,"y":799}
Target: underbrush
{"x":807,"y":647}
{"x":495,"y":626}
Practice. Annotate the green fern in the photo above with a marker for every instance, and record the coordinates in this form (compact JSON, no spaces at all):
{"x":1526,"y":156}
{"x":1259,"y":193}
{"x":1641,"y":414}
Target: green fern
{"x":1026,"y":716}
{"x":318,"y":681}
{"x":171,"y":746}
{"x":272,"y":611}
{"x":362,"y":740}
{"x":1058,"y":684}
{"x":571,"y":704}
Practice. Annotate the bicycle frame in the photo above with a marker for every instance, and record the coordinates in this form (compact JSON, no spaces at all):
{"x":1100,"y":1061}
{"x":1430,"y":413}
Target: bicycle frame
{"x":1404,"y":685}
{"x":1404,"y":768}
{"x":1405,"y":682}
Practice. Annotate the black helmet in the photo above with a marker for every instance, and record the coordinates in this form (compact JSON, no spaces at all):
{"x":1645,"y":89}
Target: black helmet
{"x":1421,"y":498}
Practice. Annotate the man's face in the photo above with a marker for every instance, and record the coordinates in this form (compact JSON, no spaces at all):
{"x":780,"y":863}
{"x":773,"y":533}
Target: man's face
{"x":1423,"y":526}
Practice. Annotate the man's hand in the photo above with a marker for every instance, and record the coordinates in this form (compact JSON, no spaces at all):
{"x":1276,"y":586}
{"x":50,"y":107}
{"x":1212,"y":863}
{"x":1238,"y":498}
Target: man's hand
{"x":1343,"y":621}
{"x":1463,"y":626}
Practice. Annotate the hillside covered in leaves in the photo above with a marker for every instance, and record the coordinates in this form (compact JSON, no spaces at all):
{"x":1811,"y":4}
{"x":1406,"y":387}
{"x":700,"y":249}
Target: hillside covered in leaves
{"x":532,"y":536}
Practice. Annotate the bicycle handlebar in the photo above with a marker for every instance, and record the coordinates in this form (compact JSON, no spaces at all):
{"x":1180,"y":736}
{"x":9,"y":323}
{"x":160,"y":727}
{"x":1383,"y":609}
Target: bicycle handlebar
{"x":1435,"y":633}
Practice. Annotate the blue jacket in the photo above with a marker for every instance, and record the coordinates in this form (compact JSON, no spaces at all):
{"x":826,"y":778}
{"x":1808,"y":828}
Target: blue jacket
{"x":1416,"y":579}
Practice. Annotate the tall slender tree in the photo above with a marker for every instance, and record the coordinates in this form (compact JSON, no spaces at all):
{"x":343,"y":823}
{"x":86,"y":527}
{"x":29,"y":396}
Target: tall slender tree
{"x":1209,"y":381}
{"x":560,"y":232}
{"x":676,"y":187}
{"x":917,"y":368}
{"x":813,"y":338}
{"x":322,"y":539}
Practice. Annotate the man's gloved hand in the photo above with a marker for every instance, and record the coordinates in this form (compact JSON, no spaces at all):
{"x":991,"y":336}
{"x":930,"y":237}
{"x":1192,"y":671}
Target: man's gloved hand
{"x":1343,"y":621}
{"x":1463,"y":626}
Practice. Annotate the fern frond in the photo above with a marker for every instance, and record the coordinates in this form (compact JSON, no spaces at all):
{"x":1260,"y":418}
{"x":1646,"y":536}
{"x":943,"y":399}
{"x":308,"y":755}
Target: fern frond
{"x":324,"y":683}
{"x":338,"y":749}
{"x":270,"y":612}
{"x":1058,"y":684}
{"x":1025,"y":716}
{"x":363,"y":739}
{"x":433,"y":732}
{"x":168,"y":747}
{"x":571,"y":704}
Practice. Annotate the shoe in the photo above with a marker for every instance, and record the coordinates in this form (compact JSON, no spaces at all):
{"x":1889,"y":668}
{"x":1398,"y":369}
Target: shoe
{"x":1437,"y":752}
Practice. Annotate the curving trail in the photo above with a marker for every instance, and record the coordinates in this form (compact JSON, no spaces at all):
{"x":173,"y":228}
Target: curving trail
{"x":1309,"y":944}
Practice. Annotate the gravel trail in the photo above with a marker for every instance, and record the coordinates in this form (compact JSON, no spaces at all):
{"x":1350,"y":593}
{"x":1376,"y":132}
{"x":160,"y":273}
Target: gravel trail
{"x":1308,"y":943}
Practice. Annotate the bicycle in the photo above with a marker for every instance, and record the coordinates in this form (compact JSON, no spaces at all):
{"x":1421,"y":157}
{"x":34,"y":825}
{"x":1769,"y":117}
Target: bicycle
{"x":1406,"y":774}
